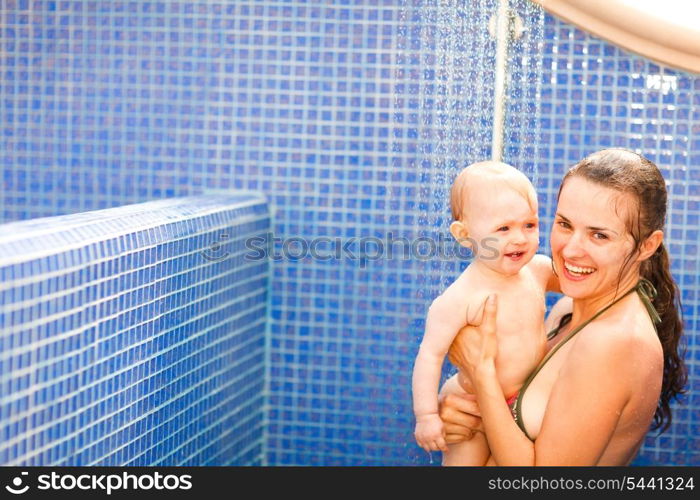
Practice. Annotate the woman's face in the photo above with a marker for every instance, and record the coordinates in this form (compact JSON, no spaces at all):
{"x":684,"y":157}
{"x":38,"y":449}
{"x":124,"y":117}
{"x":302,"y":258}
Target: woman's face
{"x":589,"y":238}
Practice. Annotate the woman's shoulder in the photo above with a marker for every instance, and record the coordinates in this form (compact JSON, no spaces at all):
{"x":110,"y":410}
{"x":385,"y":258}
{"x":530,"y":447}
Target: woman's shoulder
{"x":626,"y":337}
{"x":613,"y":355}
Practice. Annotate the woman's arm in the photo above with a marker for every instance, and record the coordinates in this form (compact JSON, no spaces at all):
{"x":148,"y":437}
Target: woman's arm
{"x":461,"y":414}
{"x":580,"y":417}
{"x":474,"y":350}
{"x":509,"y":446}
{"x":563,"y":306}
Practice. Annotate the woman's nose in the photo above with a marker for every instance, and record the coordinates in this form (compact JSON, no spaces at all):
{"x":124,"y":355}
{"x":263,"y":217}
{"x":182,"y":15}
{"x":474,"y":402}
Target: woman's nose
{"x":573,"y":247}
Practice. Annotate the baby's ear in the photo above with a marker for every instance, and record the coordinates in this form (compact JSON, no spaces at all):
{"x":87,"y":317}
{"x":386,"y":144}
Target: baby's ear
{"x":460,"y":233}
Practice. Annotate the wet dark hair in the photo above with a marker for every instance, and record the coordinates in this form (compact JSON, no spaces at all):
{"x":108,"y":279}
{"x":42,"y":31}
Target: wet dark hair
{"x":629,"y":172}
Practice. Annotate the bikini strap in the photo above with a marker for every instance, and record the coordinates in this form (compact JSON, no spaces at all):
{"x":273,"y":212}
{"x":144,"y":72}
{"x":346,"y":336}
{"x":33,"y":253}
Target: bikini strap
{"x":647,"y":293}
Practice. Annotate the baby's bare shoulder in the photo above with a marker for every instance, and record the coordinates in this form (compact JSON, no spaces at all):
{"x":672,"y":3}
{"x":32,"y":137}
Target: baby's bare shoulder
{"x":465,"y":295}
{"x":540,"y":266}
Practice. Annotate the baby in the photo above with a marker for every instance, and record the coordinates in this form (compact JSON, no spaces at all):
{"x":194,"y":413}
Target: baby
{"x":494,"y":207}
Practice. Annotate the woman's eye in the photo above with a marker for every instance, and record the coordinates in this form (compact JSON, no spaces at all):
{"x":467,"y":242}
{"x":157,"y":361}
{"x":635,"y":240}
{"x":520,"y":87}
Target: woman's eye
{"x":600,"y":236}
{"x":564,"y":224}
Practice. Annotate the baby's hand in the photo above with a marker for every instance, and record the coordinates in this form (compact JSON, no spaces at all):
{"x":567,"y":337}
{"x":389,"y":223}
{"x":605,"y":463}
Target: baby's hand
{"x":430,"y":433}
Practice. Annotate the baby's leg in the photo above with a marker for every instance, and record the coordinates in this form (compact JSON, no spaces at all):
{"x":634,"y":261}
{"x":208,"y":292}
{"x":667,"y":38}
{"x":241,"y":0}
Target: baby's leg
{"x":472,"y":452}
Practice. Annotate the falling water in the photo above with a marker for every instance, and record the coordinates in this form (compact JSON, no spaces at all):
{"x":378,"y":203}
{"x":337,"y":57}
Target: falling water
{"x":448,"y":73}
{"x":445,"y":86}
{"x":446,"y":78}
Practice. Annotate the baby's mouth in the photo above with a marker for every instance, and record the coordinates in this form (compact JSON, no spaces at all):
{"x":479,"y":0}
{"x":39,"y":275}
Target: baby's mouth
{"x":515,"y":255}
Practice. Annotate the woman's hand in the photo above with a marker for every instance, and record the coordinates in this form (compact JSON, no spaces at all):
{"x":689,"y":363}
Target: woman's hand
{"x":459,"y":413}
{"x":475,"y":347}
{"x":460,"y":416}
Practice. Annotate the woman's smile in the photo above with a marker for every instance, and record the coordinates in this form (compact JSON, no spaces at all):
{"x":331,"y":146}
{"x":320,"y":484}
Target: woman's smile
{"x":577,"y":273}
{"x":589,"y":239}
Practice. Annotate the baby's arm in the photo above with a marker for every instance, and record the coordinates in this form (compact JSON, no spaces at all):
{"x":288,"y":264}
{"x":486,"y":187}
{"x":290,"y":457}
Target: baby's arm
{"x":446,"y":316}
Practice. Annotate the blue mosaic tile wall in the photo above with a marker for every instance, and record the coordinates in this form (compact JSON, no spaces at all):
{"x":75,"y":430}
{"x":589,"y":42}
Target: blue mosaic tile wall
{"x":339,"y":112}
{"x":135,"y":335}
{"x":593,"y":95}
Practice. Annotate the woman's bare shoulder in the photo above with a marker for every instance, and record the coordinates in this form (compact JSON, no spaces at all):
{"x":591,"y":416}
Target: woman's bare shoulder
{"x":608,"y":355}
{"x":627,"y":339}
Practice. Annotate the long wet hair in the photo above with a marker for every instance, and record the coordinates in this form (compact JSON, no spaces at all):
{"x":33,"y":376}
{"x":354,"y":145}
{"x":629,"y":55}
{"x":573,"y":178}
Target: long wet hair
{"x":629,"y":172}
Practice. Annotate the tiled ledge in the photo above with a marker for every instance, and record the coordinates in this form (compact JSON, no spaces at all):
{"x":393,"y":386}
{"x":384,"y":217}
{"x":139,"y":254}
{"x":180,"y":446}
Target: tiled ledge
{"x":134,"y":335}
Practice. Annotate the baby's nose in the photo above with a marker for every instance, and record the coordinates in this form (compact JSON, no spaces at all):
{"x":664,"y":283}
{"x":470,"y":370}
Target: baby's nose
{"x":518,"y":237}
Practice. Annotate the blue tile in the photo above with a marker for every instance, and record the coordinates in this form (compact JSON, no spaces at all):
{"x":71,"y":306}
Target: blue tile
{"x":334,"y":111}
{"x":161,"y":365}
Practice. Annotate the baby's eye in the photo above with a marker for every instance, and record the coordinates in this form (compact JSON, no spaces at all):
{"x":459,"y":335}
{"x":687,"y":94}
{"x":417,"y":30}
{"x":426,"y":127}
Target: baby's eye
{"x":503,"y":228}
{"x":530,"y":225}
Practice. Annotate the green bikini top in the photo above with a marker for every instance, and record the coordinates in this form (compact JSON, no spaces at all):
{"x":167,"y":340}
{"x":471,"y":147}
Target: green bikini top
{"x":647,"y":293}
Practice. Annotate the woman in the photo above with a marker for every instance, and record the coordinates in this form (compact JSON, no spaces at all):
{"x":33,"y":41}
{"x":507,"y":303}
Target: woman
{"x":613,"y":362}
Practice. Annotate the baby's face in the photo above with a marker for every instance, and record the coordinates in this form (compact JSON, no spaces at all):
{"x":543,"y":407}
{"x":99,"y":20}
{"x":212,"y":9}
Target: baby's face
{"x":503,"y":228}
